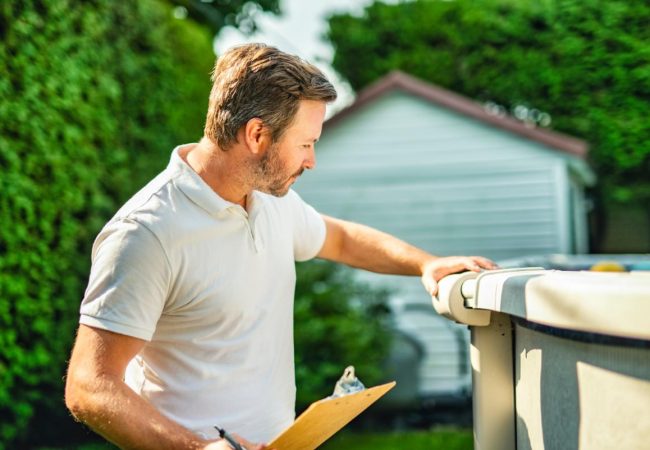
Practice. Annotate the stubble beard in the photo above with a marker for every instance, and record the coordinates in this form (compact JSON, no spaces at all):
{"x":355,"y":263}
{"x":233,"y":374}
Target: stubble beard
{"x":271,"y":174}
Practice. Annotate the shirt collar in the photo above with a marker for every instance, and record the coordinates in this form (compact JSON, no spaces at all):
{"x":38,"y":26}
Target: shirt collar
{"x":197,"y":190}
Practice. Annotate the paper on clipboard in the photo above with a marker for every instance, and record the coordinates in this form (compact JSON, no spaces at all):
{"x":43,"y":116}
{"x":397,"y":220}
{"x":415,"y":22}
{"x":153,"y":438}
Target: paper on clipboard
{"x":325,"y":417}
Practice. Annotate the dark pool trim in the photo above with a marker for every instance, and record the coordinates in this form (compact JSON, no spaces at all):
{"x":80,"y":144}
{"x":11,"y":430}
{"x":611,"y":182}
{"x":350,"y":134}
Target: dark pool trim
{"x":582,"y":336}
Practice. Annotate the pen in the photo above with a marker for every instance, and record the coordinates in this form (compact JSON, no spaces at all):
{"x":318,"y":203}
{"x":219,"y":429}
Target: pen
{"x":231,"y":440}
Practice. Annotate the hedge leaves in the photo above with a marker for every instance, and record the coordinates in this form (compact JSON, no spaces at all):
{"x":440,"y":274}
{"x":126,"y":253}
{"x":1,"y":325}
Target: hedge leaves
{"x":93,"y":97}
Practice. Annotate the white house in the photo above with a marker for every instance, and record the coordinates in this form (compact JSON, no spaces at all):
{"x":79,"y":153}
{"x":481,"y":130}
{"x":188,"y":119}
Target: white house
{"x":438,"y":170}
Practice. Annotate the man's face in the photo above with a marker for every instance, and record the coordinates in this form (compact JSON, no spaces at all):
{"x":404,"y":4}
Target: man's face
{"x":286,"y":160}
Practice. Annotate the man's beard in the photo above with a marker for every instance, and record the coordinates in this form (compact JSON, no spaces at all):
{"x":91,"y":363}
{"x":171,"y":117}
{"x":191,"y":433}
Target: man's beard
{"x":271,"y":174}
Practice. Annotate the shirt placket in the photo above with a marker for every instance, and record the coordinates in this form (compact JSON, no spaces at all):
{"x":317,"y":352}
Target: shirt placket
{"x":241,"y":212}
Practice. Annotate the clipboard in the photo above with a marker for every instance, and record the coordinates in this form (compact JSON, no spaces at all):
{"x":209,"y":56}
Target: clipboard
{"x":325,"y":417}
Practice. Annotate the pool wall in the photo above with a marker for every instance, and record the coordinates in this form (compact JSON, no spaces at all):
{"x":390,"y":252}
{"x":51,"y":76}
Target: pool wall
{"x":560,"y":359}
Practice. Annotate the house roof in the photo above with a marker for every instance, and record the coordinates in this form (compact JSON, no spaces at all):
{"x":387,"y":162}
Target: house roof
{"x":398,"y":80}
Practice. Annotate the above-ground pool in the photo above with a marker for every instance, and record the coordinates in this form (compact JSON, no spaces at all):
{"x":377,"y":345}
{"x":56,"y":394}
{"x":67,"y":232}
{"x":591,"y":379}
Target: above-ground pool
{"x":560,"y":358}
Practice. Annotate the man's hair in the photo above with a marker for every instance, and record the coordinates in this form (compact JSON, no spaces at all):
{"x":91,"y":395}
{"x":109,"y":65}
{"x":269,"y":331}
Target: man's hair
{"x":260,"y":81}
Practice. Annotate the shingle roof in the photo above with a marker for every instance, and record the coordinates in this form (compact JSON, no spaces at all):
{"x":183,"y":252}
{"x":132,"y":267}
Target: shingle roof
{"x":398,"y":80}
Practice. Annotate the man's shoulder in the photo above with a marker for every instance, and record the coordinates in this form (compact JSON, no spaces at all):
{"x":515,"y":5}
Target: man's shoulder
{"x":142,"y":221}
{"x":153,"y":202}
{"x":164,"y":209}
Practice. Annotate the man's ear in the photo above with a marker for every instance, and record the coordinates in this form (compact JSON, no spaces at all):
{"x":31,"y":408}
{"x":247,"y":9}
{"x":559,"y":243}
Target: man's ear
{"x":256,"y":136}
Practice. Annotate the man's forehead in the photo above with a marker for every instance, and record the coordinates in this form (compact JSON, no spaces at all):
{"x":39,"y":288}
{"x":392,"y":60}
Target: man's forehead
{"x":309,"y":118}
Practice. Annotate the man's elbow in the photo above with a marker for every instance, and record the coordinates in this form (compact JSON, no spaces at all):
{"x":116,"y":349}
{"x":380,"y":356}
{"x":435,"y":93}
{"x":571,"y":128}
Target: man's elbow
{"x":73,"y":401}
{"x":77,"y":399}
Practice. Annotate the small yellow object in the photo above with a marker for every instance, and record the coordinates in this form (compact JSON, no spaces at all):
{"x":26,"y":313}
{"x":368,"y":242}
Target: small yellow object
{"x":608,"y":266}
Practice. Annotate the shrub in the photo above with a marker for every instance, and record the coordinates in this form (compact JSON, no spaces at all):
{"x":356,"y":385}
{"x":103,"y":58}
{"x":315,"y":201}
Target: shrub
{"x":338,"y":322}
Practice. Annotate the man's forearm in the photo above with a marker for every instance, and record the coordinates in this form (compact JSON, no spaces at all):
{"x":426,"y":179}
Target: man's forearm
{"x":367,"y":248}
{"x":112,"y":409}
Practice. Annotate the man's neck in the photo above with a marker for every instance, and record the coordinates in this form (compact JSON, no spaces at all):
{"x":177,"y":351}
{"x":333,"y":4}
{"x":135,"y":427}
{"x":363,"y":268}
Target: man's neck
{"x":220,"y":169}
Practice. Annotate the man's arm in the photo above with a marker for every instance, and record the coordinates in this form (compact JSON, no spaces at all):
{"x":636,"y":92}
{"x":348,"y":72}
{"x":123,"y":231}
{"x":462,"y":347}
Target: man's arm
{"x":366,"y":248}
{"x":96,"y":395}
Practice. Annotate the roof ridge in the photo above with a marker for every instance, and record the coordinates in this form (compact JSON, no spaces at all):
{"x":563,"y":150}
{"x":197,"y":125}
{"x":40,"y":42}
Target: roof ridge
{"x":399,"y":80}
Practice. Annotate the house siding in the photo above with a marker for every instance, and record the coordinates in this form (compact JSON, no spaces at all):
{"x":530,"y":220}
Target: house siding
{"x":439,"y":180}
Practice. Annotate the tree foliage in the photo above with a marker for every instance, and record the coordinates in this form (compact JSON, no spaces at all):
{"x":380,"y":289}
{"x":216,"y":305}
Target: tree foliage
{"x":216,"y":14}
{"x":94,"y":96}
{"x":585,"y":63}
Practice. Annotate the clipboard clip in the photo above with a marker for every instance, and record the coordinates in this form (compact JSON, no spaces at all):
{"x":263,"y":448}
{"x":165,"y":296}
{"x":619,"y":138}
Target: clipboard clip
{"x":347,"y":384}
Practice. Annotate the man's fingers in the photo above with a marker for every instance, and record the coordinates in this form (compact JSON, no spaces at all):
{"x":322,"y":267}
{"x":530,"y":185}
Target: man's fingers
{"x":441,"y":267}
{"x":478,"y":263}
{"x":248,"y":445}
{"x":431,"y":286}
{"x":485,"y":263}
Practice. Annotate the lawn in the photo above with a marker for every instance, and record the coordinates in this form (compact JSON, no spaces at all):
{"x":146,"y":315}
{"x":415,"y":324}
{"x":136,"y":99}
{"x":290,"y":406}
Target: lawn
{"x":438,"y":438}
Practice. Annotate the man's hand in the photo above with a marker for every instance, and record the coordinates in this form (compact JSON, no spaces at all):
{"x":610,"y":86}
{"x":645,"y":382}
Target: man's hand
{"x":437,"y":268}
{"x":222,"y":444}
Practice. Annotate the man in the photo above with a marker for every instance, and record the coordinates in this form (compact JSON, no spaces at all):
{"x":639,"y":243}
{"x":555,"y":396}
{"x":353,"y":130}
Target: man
{"x":186,"y":323}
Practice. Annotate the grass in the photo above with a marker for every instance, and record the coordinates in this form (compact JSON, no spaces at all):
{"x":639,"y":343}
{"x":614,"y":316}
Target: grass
{"x":92,"y":446}
{"x":437,"y":438}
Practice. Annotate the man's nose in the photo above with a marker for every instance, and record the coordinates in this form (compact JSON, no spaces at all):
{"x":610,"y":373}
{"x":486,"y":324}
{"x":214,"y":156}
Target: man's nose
{"x":310,"y":160}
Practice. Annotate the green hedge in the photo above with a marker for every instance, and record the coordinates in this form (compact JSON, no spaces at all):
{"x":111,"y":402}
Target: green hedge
{"x":93,"y":96}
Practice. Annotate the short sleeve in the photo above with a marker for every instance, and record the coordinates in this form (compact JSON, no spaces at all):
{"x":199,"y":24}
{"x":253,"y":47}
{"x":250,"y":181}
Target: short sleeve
{"x":129,"y":281}
{"x":308,"y":228}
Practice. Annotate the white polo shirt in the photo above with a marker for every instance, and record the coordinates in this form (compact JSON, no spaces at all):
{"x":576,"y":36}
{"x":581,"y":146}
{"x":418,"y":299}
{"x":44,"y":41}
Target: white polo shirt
{"x":211,"y":288}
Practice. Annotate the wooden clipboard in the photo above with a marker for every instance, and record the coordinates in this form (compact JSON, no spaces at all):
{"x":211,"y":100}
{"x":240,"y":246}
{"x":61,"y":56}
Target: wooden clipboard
{"x":325,"y":417}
